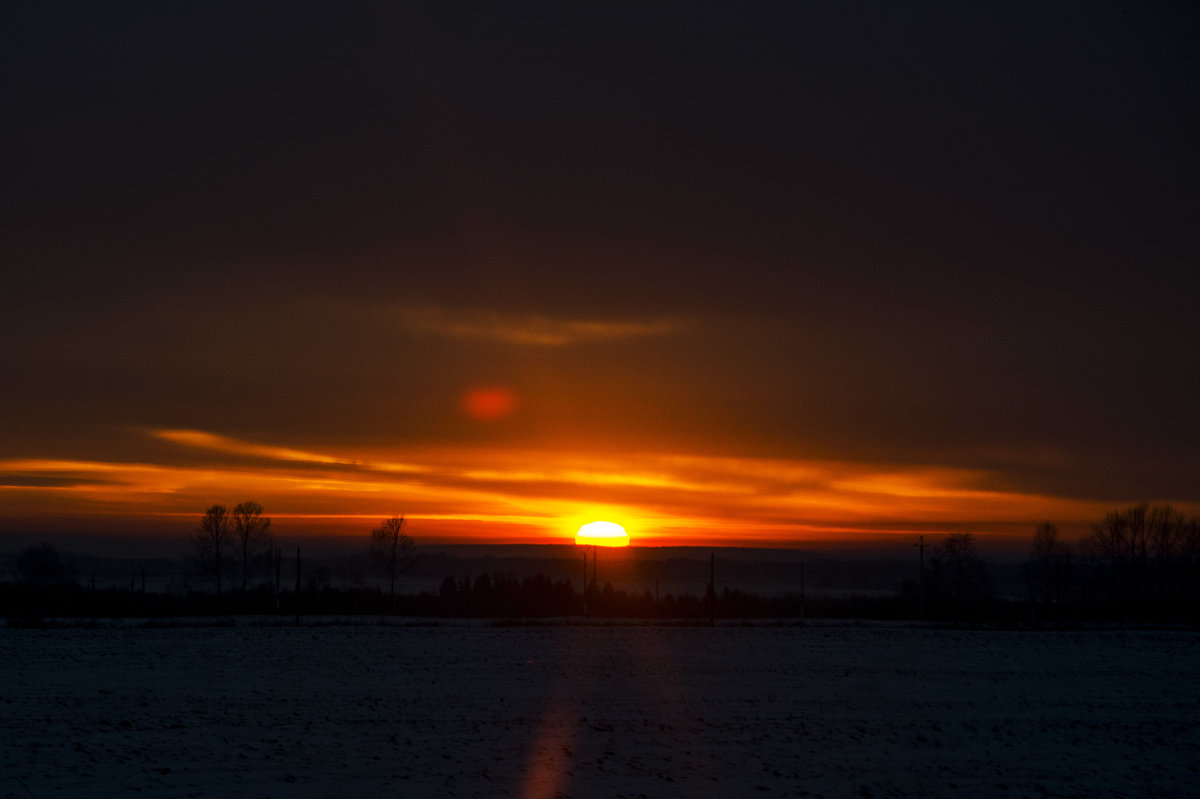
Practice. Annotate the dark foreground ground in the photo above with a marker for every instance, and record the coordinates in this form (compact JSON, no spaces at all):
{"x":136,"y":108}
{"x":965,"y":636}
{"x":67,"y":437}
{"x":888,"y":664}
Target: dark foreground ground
{"x":597,"y":711}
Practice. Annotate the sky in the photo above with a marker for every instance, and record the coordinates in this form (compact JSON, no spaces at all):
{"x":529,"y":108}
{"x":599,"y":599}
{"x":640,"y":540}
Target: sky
{"x":721,"y":273}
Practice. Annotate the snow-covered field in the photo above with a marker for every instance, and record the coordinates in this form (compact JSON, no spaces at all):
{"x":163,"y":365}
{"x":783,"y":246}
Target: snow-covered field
{"x":547,"y":711}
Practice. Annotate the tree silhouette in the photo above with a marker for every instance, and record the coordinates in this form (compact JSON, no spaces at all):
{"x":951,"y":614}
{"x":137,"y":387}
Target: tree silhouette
{"x":958,"y":574}
{"x":1118,"y":552}
{"x":41,"y":564}
{"x":1048,"y":570}
{"x":213,"y":541}
{"x":251,"y":538}
{"x":1188,"y":559}
{"x":1165,"y":530}
{"x":1144,"y":555}
{"x":392,"y":551}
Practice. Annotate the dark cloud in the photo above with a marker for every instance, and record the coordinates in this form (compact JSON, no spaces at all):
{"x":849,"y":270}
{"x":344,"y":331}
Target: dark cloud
{"x":944,"y":234}
{"x":549,"y":158}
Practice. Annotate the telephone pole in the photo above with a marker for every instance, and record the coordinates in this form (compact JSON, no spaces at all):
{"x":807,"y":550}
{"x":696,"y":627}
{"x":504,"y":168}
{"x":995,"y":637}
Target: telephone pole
{"x":712,"y":589}
{"x":296,"y":595}
{"x":920,"y":545}
{"x":802,"y":586}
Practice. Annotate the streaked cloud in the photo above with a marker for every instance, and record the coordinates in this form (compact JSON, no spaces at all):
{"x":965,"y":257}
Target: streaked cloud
{"x":533,"y":330}
{"x":212,"y":441}
{"x":527,"y":494}
{"x":203,"y":440}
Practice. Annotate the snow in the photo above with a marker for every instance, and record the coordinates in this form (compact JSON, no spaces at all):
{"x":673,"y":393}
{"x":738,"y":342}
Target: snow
{"x":597,"y":711}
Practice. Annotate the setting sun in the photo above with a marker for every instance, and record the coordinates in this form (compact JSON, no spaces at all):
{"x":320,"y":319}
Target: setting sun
{"x":604,"y":534}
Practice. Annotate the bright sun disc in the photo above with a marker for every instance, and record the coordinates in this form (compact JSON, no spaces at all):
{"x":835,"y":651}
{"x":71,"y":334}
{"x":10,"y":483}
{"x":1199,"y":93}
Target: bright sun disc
{"x":604,"y":534}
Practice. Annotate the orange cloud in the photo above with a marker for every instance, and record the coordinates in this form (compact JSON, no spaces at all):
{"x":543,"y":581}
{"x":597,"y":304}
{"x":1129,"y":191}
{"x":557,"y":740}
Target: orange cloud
{"x":203,"y":440}
{"x":524,"y":494}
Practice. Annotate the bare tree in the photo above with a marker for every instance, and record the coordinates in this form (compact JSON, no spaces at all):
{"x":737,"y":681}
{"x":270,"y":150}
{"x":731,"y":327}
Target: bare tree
{"x":1118,"y":549}
{"x":392,"y":551}
{"x":42,"y":565}
{"x":957,"y":573}
{"x":1048,"y":570}
{"x":251,"y":538}
{"x":213,"y":541}
{"x":1189,"y":559}
{"x":1164,"y":533}
{"x":1142,"y":554}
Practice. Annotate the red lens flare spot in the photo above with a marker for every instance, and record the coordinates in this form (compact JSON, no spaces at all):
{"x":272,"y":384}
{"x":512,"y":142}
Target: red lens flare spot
{"x":489,"y":404}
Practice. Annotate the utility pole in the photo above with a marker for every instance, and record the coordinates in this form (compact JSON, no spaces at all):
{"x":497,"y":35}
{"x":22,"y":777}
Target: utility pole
{"x":921,"y":577}
{"x":712,"y":589}
{"x":802,"y":586}
{"x":296,"y":596}
{"x":592,"y":593}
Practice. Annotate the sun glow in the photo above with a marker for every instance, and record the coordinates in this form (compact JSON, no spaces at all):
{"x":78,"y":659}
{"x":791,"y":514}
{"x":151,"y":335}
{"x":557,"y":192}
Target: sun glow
{"x":604,"y":534}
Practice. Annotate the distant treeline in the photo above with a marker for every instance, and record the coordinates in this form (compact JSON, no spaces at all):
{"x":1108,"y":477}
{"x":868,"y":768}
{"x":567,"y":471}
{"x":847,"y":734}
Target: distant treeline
{"x":1141,"y":563}
{"x":491,"y":595}
{"x":1137,"y":565}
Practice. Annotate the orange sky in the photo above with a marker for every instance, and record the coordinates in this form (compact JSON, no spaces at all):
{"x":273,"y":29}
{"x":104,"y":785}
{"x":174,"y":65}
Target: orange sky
{"x":788,"y":273}
{"x":528,"y":495}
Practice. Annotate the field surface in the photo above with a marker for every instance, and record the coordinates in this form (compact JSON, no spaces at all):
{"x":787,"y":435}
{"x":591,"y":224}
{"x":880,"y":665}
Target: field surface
{"x":463,"y":711}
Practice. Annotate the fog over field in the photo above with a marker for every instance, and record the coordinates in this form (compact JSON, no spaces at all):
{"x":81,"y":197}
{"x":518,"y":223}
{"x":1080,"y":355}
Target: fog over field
{"x":830,"y":570}
{"x":472,"y":710}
